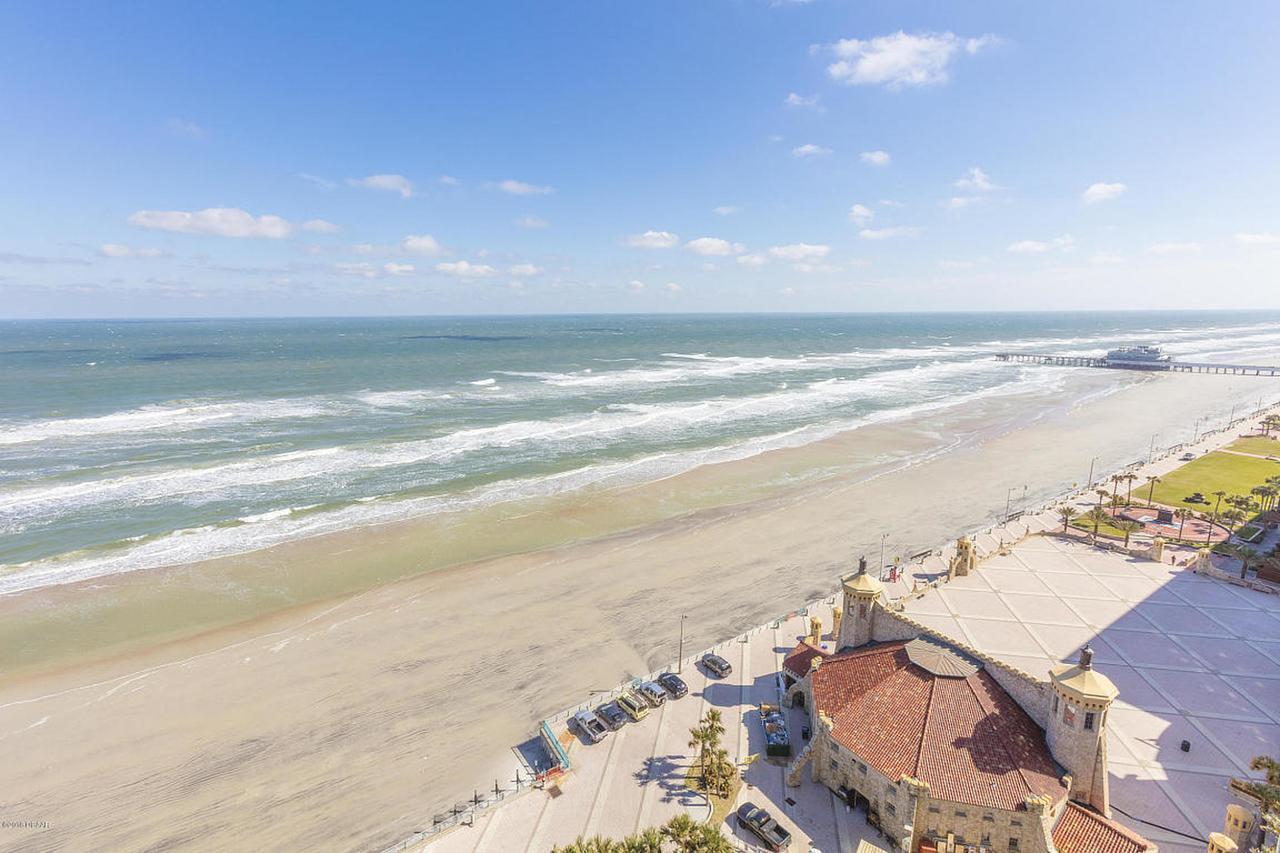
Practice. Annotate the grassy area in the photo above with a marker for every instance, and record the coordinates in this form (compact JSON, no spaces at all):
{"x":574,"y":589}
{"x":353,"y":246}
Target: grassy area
{"x":1256,"y":444}
{"x":720,"y":806}
{"x":1104,"y":529}
{"x":1233,"y":474}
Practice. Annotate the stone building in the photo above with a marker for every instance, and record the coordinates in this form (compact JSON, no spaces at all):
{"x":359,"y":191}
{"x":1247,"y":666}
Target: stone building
{"x":948,"y":749}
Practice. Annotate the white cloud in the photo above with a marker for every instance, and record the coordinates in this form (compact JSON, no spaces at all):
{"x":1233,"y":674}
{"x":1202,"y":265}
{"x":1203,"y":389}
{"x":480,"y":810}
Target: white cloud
{"x":958,"y":202}
{"x":322,"y":183}
{"x":219,"y":221}
{"x":713,"y":246}
{"x":976,"y":180}
{"x":466,"y":269}
{"x":364,"y":270}
{"x":889,"y":233}
{"x":635,"y":286}
{"x":653,"y":240}
{"x":1106,"y":259}
{"x":320,"y":226}
{"x":423,"y":244}
{"x":398,"y":269}
{"x":860,"y":214}
{"x":1173,"y":248}
{"x":185,"y":127}
{"x":672,"y":287}
{"x":524,"y":270}
{"x":814,"y":268}
{"x":875,"y":158}
{"x":1258,"y":239}
{"x":787,"y":291}
{"x":799,"y":251}
{"x":753,"y":260}
{"x":364,"y":248}
{"x":115,"y":250}
{"x":955,"y":265}
{"x":389,"y":183}
{"x":521,"y":188}
{"x":1102,"y":192}
{"x":805,"y":102}
{"x":1025,"y":247}
{"x":888,"y":202}
{"x":725,"y":210}
{"x":809,"y":150}
{"x":900,"y":59}
{"x":449,"y":181}
{"x":532,"y":222}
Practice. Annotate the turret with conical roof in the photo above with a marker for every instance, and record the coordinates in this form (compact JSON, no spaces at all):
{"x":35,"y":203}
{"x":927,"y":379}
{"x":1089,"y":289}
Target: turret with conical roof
{"x":861,"y":592}
{"x":1077,"y":729}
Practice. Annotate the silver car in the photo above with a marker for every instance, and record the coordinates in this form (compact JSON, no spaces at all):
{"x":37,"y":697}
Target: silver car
{"x":653,"y":693}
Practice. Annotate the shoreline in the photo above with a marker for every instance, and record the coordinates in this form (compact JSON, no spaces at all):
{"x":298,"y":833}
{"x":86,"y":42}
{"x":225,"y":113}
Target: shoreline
{"x":333,"y":714}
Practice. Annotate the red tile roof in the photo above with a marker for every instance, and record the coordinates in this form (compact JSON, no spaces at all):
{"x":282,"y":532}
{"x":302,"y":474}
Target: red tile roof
{"x":966,"y":737}
{"x":1082,"y":830}
{"x":799,"y":659}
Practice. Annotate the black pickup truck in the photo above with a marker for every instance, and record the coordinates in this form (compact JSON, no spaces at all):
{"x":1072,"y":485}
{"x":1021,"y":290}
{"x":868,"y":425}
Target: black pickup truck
{"x":768,"y":830}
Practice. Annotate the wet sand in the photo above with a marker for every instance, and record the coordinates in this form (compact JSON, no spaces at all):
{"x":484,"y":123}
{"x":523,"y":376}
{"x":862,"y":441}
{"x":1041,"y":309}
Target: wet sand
{"x":330,"y":718}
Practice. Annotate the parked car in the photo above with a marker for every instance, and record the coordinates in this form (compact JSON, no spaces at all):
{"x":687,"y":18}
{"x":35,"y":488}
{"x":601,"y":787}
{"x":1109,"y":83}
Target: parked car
{"x":652,"y":693}
{"x":1187,"y":457}
{"x":764,"y":827}
{"x":590,"y":726}
{"x":716,"y":664}
{"x":612,"y":715}
{"x":633,"y":706}
{"x":674,"y":685}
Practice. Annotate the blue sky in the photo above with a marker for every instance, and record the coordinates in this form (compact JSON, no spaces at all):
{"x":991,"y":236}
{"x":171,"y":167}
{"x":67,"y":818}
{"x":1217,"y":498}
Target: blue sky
{"x":228,"y":159}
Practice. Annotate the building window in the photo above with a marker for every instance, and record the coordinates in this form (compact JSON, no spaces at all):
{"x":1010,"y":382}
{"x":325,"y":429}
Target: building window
{"x":961,"y":813}
{"x":1088,"y":721}
{"x":1015,"y":822}
{"x":935,"y":810}
{"x":891,"y":809}
{"x":1055,"y":703}
{"x":1013,"y":844}
{"x":1069,"y":714}
{"x":862,"y":768}
{"x":987,"y":818}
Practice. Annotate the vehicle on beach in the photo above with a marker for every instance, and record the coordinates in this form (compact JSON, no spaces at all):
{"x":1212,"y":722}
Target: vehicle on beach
{"x":633,"y":706}
{"x":653,"y":693}
{"x":590,"y":726}
{"x":674,"y":685}
{"x":612,"y":715}
{"x":717,"y":665}
{"x":764,"y":827}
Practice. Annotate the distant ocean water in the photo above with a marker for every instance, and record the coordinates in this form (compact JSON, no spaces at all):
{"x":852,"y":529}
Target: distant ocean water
{"x":128,"y":445}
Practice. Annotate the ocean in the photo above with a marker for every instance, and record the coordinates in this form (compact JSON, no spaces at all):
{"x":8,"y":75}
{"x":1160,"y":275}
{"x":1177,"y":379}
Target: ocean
{"x":128,"y":445}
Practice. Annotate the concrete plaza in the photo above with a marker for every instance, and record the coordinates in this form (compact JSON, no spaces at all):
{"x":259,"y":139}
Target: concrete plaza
{"x":1195,"y":659}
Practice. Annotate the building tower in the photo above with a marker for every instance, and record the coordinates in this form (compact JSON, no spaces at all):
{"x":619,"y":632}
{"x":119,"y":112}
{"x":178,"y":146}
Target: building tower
{"x":1077,"y":730}
{"x":861,"y":592}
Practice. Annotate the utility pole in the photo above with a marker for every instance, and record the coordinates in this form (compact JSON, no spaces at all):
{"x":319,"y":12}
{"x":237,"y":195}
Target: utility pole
{"x":680,"y":655}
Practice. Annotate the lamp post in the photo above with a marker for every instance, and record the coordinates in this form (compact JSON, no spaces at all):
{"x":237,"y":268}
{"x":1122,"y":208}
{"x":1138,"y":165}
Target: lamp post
{"x":1009,"y":494}
{"x":880,"y":568}
{"x":1196,"y":435}
{"x":1089,"y":484}
{"x":1151,"y":453}
{"x":680,"y":654}
{"x":1231,"y":418}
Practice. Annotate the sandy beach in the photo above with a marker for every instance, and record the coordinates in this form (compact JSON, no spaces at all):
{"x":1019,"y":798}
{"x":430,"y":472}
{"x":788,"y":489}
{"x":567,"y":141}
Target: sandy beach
{"x":335,"y":692}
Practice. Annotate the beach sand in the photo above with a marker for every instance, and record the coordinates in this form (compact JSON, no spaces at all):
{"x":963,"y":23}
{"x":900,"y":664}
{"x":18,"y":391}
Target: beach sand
{"x":332,"y":694}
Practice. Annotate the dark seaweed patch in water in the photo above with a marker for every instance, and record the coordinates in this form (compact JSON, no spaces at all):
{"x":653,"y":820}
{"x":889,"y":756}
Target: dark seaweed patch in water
{"x":45,"y":351}
{"x":464,"y":337}
{"x":604,"y":329}
{"x":179,"y":356}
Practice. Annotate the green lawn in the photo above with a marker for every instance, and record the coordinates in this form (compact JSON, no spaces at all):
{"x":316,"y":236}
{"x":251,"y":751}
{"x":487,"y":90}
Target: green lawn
{"x":1256,"y":444}
{"x":1231,"y":473}
{"x":1104,"y":529}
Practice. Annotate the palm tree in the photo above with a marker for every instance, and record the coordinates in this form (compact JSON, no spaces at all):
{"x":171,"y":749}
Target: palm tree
{"x":1066,"y":513}
{"x":1151,"y":488}
{"x":648,"y":841}
{"x":1116,"y":480}
{"x":680,"y":830}
{"x":1129,"y":478}
{"x":715,"y":725}
{"x":1242,"y":553}
{"x":700,"y":739}
{"x":1129,"y":528}
{"x":1097,"y":515}
{"x":1233,"y":517}
{"x":1220,"y":494}
{"x":1260,"y":492}
{"x":1103,"y":494}
{"x":1183,"y":514}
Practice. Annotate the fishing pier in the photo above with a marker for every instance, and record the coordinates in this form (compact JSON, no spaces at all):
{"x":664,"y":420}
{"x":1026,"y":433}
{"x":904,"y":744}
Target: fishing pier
{"x":1138,"y":364}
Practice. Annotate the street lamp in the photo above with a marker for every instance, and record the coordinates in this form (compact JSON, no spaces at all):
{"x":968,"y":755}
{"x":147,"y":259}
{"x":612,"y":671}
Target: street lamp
{"x":1196,"y":435}
{"x":1151,"y":453}
{"x":680,"y":655}
{"x":880,"y":569}
{"x":1090,"y":481}
{"x":1009,"y":494}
